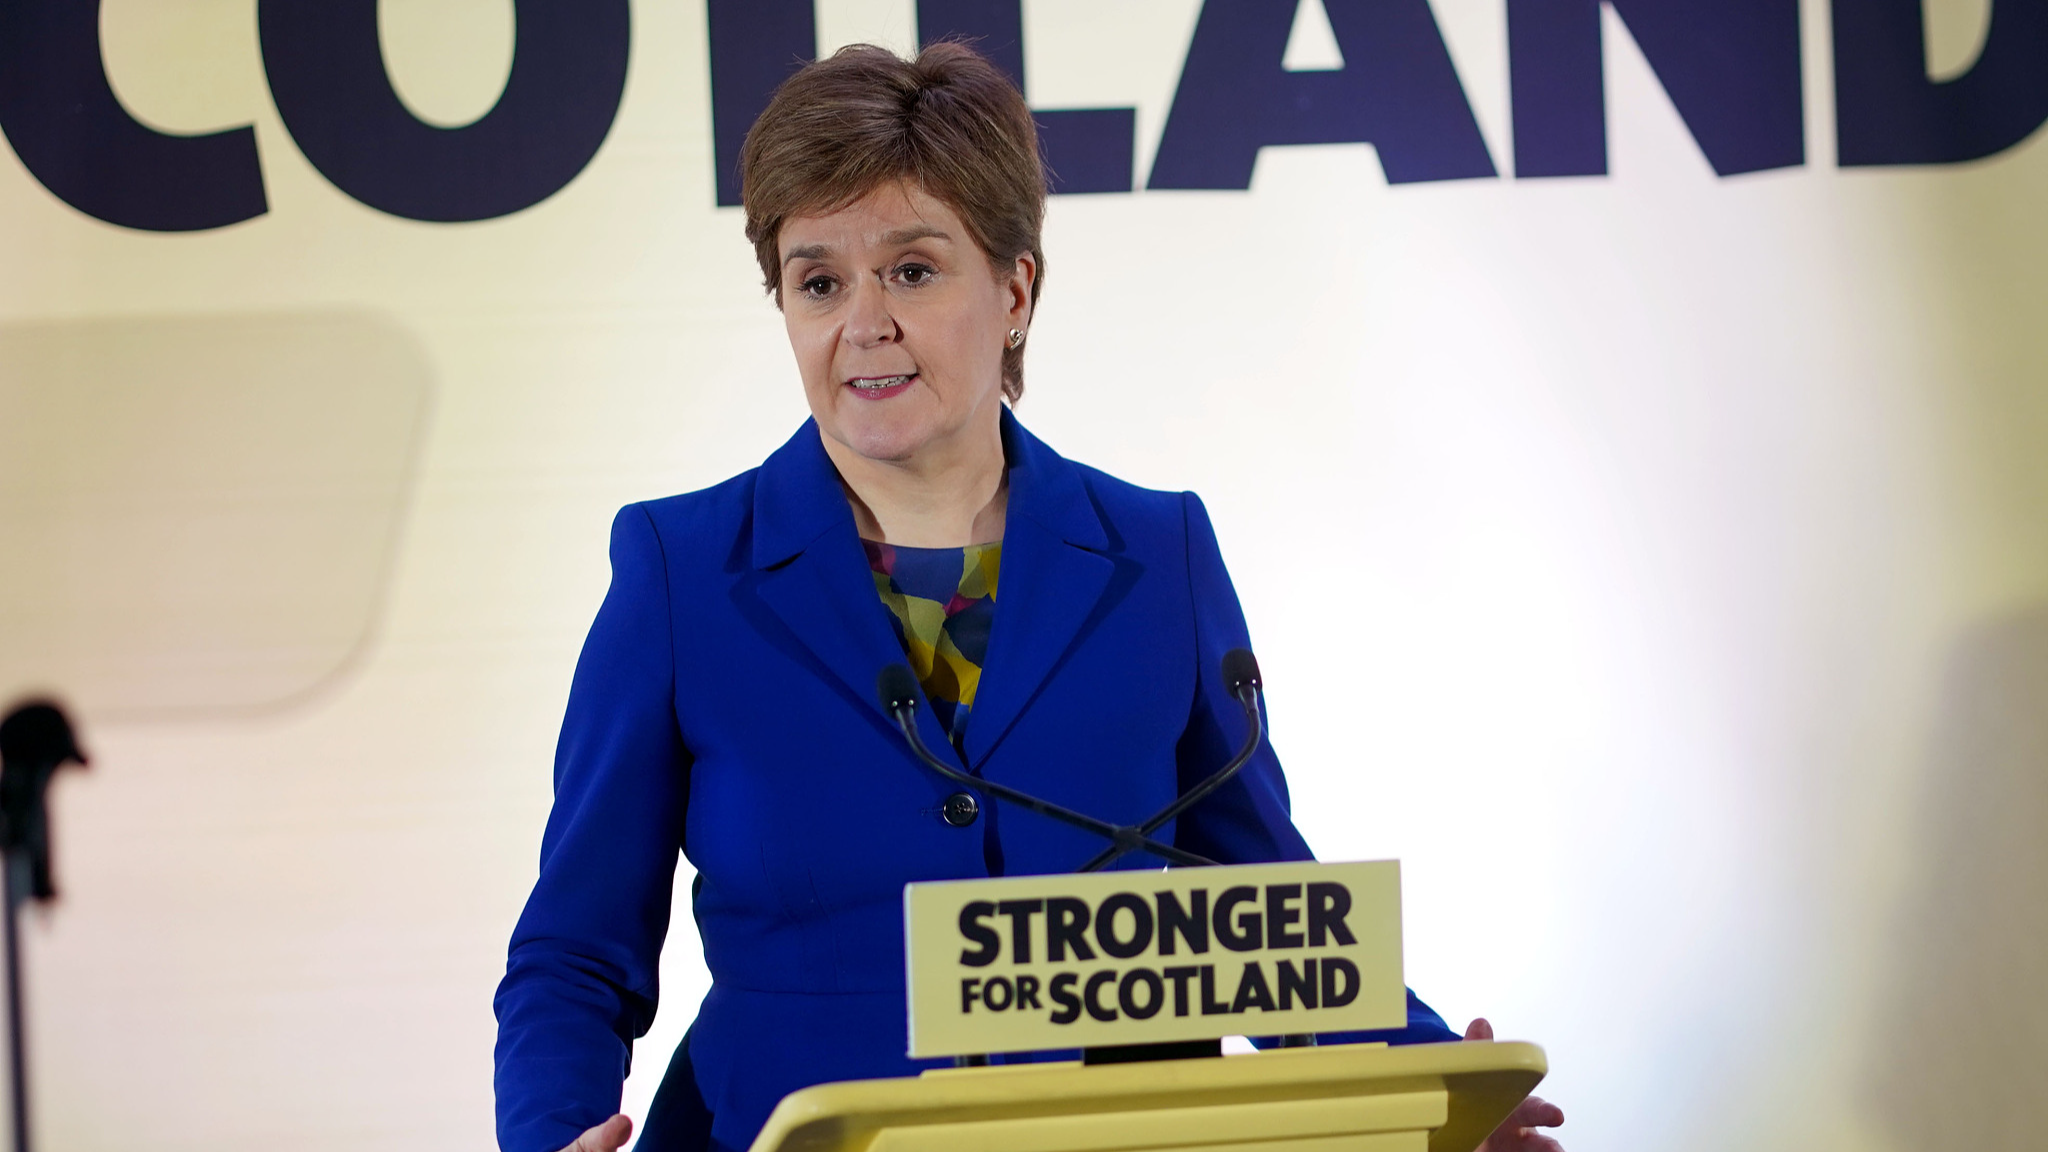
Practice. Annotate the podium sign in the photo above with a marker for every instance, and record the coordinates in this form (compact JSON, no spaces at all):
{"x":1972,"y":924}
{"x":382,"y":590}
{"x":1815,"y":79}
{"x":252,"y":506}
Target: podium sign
{"x":1088,"y":960}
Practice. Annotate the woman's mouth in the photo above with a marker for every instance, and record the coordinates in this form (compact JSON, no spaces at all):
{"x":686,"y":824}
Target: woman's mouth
{"x":880,"y":387}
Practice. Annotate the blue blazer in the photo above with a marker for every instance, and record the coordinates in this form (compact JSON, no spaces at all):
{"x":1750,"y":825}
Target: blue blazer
{"x":724,"y":706}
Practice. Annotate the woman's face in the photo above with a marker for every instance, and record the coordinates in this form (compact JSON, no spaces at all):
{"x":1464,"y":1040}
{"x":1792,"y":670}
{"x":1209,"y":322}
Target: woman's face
{"x":899,"y":325}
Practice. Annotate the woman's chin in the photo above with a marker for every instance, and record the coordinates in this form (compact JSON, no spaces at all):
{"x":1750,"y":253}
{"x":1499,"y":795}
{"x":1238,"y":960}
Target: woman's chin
{"x":883,"y":441}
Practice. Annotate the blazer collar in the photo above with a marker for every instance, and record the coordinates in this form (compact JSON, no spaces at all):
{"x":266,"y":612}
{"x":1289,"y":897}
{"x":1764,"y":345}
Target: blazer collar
{"x":1054,"y":578}
{"x":798,"y":497}
{"x":815,"y":578}
{"x":1046,"y":487}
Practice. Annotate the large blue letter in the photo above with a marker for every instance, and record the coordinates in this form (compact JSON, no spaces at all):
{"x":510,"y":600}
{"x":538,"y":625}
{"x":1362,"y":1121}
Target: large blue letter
{"x":71,"y":133}
{"x":1086,"y":149}
{"x":1887,"y":110}
{"x":1397,"y":91}
{"x":755,"y":45}
{"x":326,"y":68}
{"x":1731,"y":68}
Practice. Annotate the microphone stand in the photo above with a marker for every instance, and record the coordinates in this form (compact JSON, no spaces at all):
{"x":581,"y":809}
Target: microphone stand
{"x":903,"y":707}
{"x":35,"y":741}
{"x":898,"y":689}
{"x":17,"y":1056}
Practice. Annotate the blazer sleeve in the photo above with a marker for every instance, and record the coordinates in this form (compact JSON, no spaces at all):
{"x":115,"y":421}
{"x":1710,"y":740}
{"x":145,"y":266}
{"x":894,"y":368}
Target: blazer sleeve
{"x":1248,"y":820}
{"x":580,"y":977}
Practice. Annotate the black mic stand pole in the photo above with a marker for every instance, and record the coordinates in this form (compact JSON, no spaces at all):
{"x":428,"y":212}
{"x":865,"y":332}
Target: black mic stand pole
{"x":17,"y":1057}
{"x":35,"y":741}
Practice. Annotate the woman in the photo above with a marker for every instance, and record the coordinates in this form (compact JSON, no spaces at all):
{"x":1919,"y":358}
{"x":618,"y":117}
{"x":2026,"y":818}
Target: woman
{"x":724,"y":704}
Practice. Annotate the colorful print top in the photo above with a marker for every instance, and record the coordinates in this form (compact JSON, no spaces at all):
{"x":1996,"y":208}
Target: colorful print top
{"x":942,"y":601}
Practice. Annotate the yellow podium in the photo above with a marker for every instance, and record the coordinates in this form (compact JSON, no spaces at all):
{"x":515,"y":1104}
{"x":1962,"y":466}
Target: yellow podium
{"x":1135,"y":966}
{"x":1353,"y":1098}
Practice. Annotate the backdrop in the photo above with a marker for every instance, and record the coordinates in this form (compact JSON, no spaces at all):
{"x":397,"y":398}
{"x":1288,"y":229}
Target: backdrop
{"x":1625,"y":425}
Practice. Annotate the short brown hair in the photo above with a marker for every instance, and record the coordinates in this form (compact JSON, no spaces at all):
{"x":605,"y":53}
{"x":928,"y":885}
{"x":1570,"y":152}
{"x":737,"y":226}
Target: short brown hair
{"x":948,"y":121}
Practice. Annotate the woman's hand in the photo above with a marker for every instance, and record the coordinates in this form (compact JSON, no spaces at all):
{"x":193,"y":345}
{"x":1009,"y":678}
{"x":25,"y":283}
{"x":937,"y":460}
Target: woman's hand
{"x":1518,"y":1132}
{"x":609,"y":1136}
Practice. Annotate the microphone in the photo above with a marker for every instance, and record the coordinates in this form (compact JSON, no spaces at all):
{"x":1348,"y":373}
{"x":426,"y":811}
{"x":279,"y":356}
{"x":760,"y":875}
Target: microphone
{"x":1241,"y":668}
{"x":897,"y":687}
{"x":35,"y":741}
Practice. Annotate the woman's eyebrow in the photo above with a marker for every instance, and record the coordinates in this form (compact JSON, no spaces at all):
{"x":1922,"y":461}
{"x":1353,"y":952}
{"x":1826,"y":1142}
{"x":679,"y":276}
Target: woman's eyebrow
{"x":894,"y":239}
{"x":918,"y":232}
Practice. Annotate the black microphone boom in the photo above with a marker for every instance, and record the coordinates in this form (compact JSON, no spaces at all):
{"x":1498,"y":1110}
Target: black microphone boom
{"x":897,"y":688}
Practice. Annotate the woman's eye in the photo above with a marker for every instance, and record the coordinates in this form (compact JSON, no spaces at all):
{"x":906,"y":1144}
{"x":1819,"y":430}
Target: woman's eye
{"x":816,"y":286}
{"x":914,"y":274}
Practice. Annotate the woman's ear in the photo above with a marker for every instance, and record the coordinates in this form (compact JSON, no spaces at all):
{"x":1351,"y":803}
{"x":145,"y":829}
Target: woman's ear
{"x":1023,"y":275}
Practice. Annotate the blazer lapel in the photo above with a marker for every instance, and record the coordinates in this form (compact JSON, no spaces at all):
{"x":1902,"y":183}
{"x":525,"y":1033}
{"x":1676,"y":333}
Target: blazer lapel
{"x":1053,"y":575}
{"x":815,"y":576}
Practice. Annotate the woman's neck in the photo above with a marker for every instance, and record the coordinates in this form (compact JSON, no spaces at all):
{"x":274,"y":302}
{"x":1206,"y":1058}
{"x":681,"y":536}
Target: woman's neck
{"x":936,"y":499}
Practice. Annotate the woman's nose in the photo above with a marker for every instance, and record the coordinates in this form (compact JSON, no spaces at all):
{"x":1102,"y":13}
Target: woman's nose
{"x":868,"y":321}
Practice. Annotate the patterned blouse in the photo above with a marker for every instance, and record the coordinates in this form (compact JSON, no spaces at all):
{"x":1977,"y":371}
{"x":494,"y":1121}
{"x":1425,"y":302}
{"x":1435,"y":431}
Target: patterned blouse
{"x":942,"y":602}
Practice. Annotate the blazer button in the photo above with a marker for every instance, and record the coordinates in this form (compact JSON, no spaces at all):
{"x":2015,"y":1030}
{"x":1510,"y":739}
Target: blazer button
{"x":961,"y":809}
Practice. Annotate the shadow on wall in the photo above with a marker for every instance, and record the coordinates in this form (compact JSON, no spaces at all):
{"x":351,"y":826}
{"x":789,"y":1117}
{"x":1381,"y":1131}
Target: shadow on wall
{"x":1966,"y":1055}
{"x":198,"y":516}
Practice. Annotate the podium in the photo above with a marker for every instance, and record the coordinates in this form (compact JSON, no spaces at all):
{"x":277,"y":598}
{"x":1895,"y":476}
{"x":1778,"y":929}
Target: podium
{"x":1344,"y":1098}
{"x":1142,"y":964}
